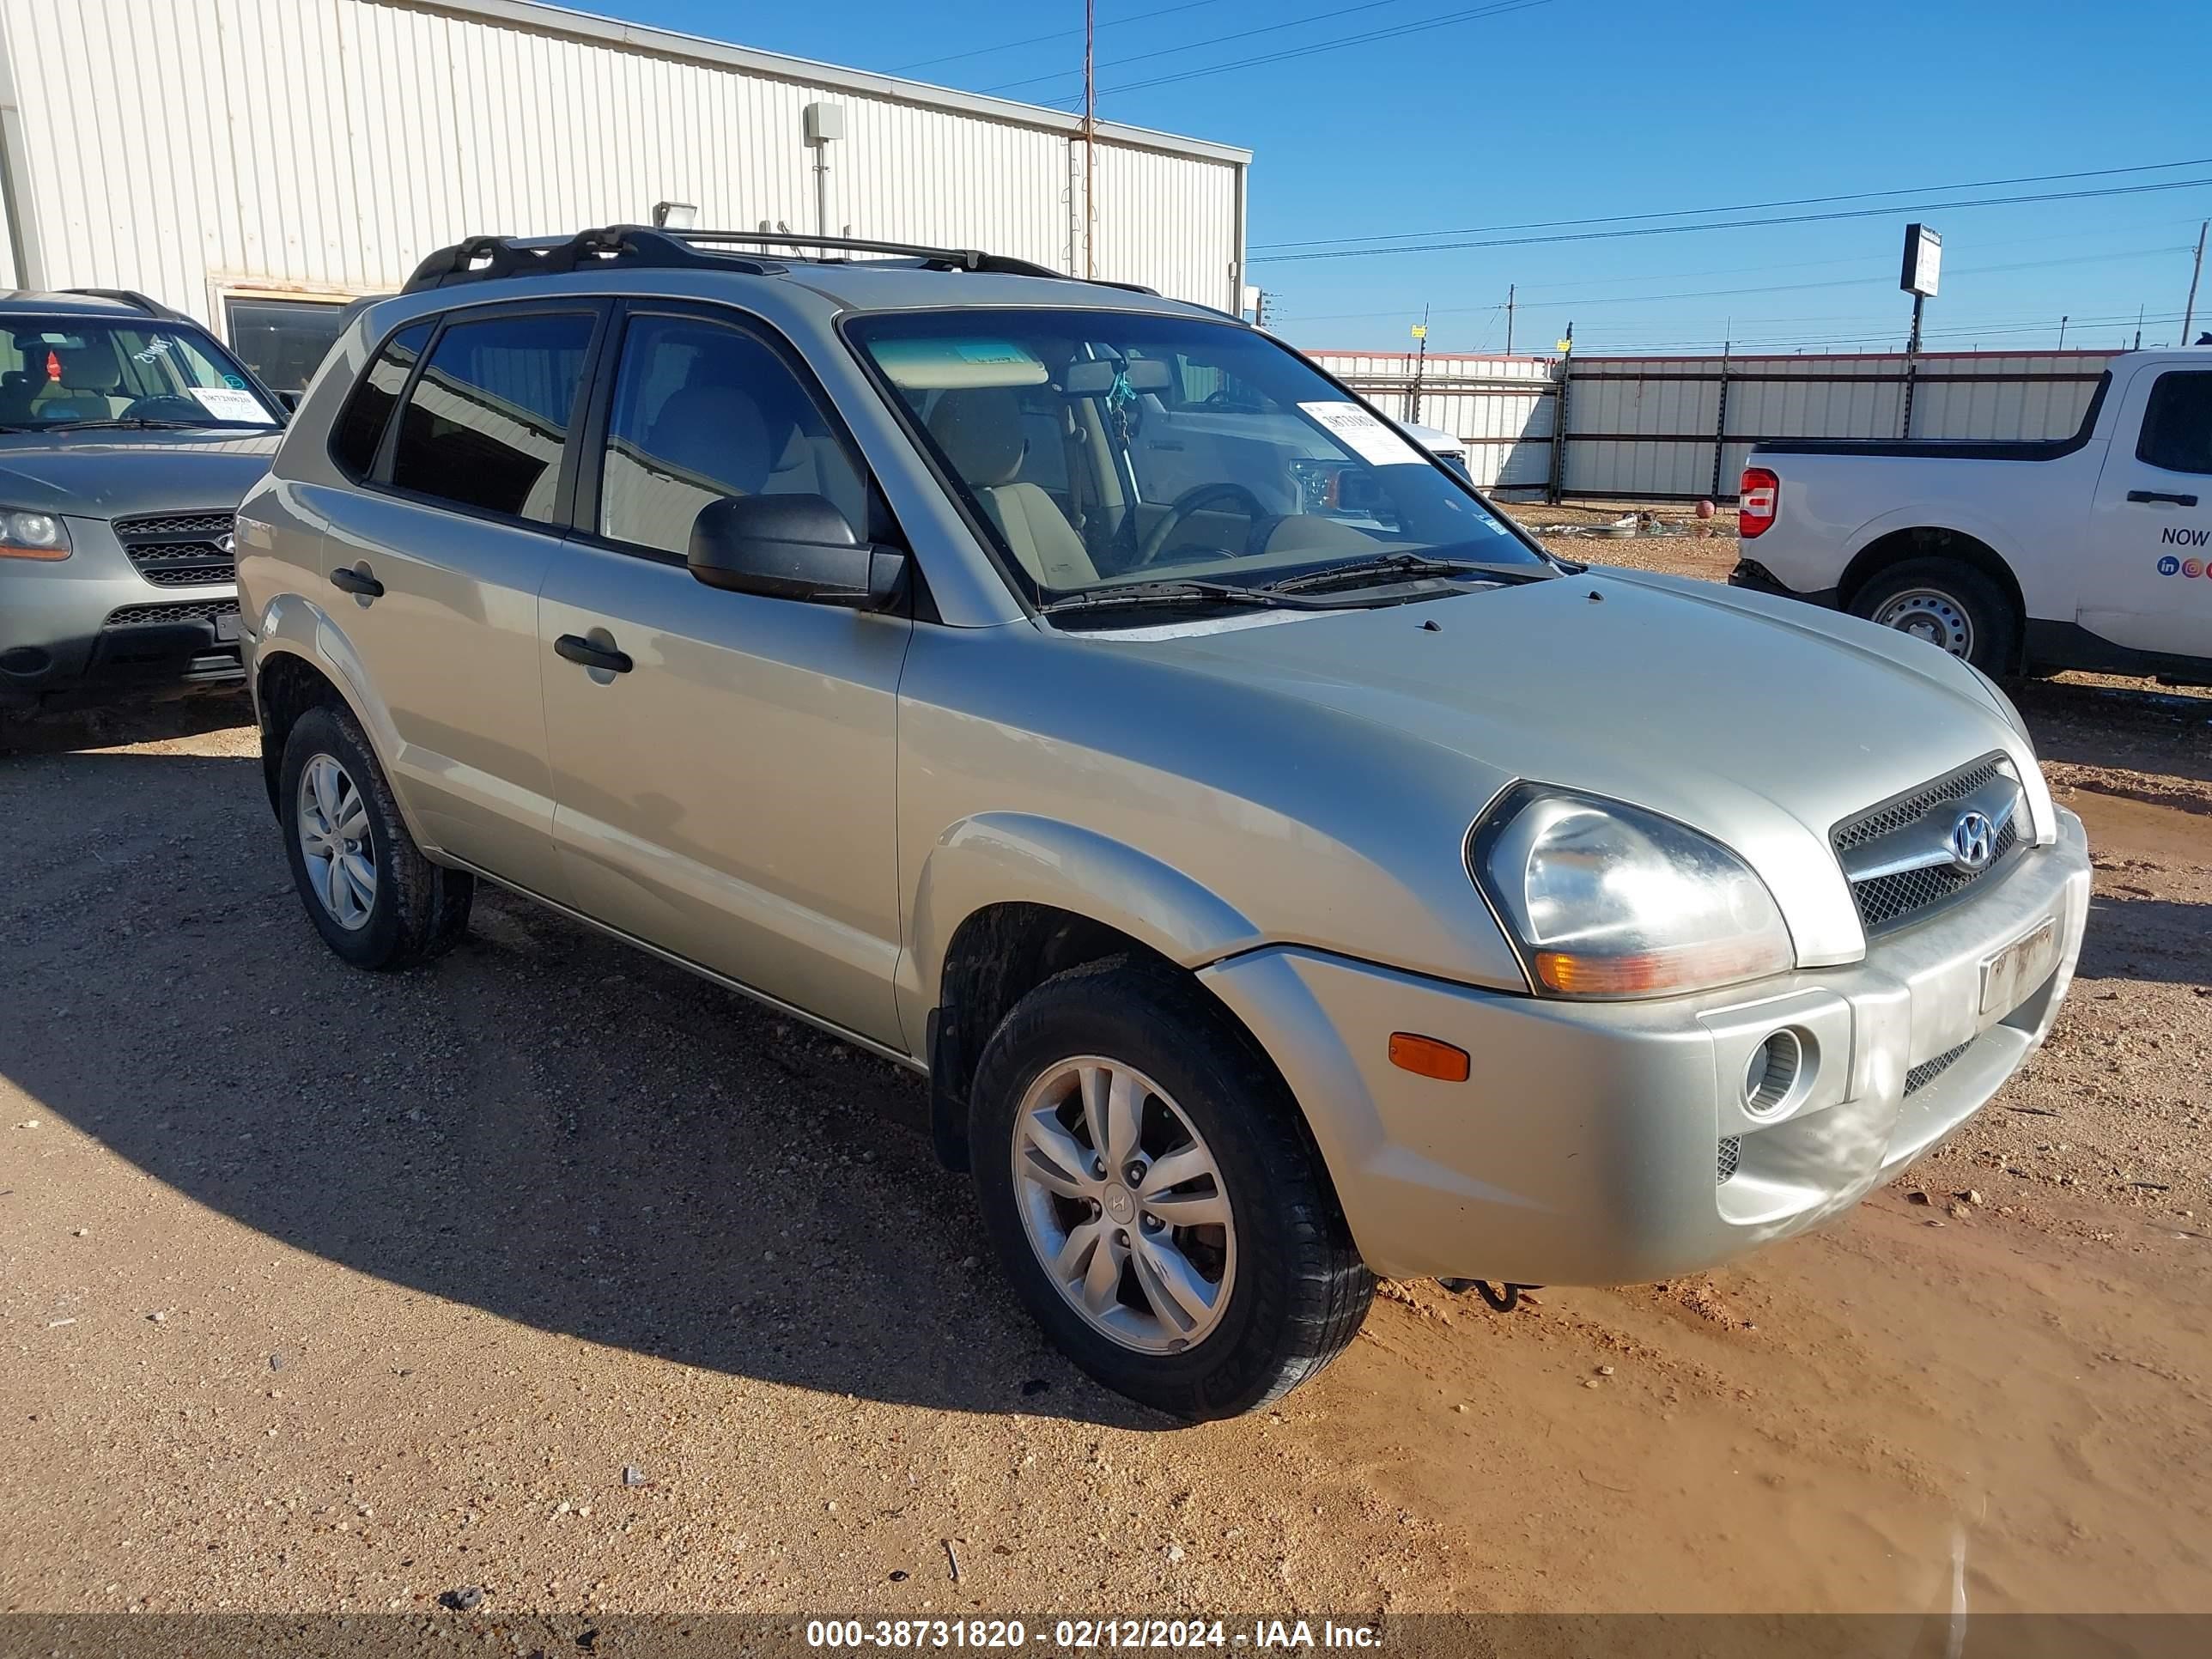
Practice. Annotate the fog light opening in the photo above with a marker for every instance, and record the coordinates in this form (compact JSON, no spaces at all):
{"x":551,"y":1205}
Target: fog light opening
{"x":1771,"y":1076}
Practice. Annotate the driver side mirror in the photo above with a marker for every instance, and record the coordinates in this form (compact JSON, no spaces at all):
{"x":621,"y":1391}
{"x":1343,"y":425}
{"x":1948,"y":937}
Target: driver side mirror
{"x":792,"y":547}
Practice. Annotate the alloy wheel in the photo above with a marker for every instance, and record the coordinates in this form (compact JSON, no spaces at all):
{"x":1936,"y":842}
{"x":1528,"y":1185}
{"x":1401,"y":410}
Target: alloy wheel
{"x":1124,"y":1203}
{"x":332,"y":820}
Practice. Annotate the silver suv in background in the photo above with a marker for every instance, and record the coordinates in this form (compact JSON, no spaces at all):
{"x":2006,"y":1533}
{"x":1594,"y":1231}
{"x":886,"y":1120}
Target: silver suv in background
{"x":1283,"y":872}
{"x":127,"y":436}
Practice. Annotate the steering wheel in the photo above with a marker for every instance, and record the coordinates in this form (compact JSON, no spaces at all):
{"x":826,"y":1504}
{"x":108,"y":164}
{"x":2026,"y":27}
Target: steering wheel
{"x":1240,"y":499}
{"x":165,"y":406}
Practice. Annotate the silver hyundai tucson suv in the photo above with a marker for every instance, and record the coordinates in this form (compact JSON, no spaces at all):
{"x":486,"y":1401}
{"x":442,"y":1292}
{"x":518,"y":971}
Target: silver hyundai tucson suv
{"x":1283,"y":872}
{"x":127,"y":436}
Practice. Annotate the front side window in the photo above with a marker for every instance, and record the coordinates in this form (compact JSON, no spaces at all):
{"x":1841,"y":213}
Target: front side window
{"x":488,"y":419}
{"x":2176,"y":428}
{"x":1102,"y":448}
{"x":77,"y":372}
{"x":360,"y":430}
{"x":703,"y":410}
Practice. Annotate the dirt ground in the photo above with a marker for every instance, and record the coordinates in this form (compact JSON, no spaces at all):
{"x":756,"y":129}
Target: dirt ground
{"x":552,"y":1272}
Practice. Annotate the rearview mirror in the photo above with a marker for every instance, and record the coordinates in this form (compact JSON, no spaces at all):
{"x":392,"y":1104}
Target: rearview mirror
{"x":1095,"y":377}
{"x":792,"y":547}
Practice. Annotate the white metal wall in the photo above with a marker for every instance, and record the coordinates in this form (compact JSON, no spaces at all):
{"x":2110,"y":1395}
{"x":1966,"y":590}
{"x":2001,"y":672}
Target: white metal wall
{"x":1500,"y":407}
{"x":187,"y":147}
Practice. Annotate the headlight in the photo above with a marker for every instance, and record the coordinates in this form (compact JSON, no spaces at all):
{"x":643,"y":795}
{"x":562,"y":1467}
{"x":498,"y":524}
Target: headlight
{"x":1608,"y":900}
{"x":31,"y":535}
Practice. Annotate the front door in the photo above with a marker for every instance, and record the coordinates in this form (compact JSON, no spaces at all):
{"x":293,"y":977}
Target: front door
{"x":434,"y":569}
{"x":723,"y":764}
{"x":2150,"y":586}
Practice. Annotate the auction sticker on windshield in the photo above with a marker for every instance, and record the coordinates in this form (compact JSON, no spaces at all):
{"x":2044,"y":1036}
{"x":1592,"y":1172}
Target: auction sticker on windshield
{"x":230,"y":404}
{"x":1374,"y":440}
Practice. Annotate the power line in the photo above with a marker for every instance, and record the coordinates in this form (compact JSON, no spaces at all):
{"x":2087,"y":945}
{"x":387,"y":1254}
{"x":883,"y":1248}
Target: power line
{"x":1738,"y":224}
{"x":1740,"y":207}
{"x":1214,"y":40}
{"x":1057,"y":34}
{"x":1288,"y":53}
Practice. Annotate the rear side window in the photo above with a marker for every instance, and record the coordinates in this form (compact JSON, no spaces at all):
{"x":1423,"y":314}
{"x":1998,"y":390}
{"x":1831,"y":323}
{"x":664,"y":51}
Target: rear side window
{"x":2177,"y":429}
{"x":487,"y":420}
{"x":361,"y":428}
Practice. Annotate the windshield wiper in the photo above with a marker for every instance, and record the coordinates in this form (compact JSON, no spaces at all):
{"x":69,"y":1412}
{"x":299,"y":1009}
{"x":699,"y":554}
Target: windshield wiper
{"x":1403,"y":566}
{"x":137,"y":423}
{"x":1116,"y":596}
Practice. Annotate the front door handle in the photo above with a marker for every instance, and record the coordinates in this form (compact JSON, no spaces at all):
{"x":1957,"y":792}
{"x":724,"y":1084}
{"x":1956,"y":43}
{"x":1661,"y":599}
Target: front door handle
{"x":348,"y":581}
{"x":2161,"y":496}
{"x":578,"y":649}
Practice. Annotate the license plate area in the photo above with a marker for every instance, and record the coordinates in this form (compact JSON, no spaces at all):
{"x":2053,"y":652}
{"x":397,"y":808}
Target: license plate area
{"x":2013,"y":972}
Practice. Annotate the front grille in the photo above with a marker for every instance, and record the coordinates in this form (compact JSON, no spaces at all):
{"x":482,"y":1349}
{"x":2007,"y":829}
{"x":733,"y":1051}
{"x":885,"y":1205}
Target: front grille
{"x":180,"y":550}
{"x":203,"y":610}
{"x":1731,"y":1155}
{"x":1887,"y":901}
{"x":1928,"y":1070}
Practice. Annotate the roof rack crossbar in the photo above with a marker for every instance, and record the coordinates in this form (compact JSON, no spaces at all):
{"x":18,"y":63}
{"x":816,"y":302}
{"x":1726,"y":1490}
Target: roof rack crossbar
{"x":134,"y":299}
{"x":488,"y":258}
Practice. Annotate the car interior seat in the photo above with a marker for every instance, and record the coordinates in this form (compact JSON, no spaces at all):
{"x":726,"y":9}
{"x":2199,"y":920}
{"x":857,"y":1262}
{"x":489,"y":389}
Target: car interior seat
{"x":980,"y":430}
{"x":85,"y":390}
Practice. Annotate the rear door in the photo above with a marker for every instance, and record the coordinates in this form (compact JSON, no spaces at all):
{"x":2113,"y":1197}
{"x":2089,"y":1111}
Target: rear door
{"x":432,"y":568}
{"x":2150,"y":586}
{"x":724,"y":790}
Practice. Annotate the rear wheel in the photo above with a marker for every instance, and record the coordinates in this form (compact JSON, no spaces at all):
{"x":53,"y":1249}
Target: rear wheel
{"x":1155,"y":1197}
{"x":1950,"y":604}
{"x":376,"y":900}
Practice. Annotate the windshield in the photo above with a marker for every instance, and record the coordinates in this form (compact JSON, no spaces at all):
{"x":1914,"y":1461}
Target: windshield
{"x":1109,"y":448}
{"x":78,"y":370}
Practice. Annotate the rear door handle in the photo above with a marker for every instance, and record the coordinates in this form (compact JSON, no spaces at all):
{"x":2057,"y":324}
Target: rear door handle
{"x":349,"y":581}
{"x":578,"y":649}
{"x":2161,"y":496}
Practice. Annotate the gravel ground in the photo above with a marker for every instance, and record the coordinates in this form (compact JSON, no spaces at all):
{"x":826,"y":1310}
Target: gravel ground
{"x":554,"y":1273}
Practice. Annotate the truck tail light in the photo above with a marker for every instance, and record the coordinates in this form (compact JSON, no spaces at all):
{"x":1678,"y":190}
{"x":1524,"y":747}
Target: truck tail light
{"x":1760,"y":493}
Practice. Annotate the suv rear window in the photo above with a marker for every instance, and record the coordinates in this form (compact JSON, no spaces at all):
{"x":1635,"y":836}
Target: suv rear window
{"x":361,"y":428}
{"x":487,"y":420}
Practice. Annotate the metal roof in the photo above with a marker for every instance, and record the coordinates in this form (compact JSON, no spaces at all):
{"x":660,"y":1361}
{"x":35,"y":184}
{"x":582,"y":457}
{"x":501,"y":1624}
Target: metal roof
{"x":541,"y":18}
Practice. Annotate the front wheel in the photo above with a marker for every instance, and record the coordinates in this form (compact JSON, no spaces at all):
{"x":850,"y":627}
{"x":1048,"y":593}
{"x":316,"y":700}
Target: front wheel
{"x":1950,"y":604}
{"x":1155,"y":1197}
{"x":376,"y":900}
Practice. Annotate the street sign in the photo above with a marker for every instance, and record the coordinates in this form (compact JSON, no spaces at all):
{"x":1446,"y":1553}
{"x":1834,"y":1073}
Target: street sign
{"x":1923,"y":261}
{"x":1420,"y":330}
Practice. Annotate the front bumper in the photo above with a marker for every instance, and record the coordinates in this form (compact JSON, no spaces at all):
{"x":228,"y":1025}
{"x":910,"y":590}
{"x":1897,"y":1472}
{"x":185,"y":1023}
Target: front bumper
{"x":1588,"y":1146}
{"x":91,"y":626}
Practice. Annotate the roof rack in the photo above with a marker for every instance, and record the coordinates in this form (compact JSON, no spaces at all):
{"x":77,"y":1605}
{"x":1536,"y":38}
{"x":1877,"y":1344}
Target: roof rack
{"x":135,"y":299}
{"x":486,"y":258}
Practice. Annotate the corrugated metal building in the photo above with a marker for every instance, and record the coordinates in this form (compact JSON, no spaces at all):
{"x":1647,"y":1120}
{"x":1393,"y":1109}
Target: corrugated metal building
{"x":256,"y":162}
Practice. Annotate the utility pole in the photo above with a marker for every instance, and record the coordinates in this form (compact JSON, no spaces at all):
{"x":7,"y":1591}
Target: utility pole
{"x":2189,"y":310}
{"x":1089,"y":137}
{"x":1420,"y":364}
{"x":1509,"y":319}
{"x":2062,"y":334}
{"x":2139,"y":316}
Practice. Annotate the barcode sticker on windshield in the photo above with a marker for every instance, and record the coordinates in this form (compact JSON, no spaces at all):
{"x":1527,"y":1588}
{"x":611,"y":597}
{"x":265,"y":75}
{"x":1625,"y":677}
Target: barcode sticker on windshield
{"x":1374,"y":440}
{"x":227,"y":402}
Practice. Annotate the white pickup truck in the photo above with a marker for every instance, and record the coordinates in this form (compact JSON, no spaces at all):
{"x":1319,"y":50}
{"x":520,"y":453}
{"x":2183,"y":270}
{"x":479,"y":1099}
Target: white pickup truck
{"x":2093,"y":552}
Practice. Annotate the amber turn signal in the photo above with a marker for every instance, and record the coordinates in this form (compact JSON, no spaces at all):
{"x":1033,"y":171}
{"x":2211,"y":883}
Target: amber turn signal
{"x":1426,"y":1057}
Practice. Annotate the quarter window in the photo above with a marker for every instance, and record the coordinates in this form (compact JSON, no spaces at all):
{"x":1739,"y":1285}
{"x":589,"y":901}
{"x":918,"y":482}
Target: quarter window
{"x":2176,"y":428}
{"x":489,"y":417}
{"x":703,"y":410}
{"x":361,"y":428}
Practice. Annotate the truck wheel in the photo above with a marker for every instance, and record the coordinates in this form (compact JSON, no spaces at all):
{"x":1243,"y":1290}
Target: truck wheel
{"x":377,"y":901}
{"x":1946,"y":604}
{"x":1155,"y":1196}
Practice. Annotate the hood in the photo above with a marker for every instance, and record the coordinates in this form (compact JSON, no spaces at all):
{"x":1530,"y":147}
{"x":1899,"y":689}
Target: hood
{"x":1762,"y":729}
{"x":114,"y":474}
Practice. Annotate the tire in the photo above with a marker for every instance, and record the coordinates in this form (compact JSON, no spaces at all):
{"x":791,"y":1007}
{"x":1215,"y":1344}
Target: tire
{"x":1289,"y":1288}
{"x":410,"y":909}
{"x":1951,"y":605}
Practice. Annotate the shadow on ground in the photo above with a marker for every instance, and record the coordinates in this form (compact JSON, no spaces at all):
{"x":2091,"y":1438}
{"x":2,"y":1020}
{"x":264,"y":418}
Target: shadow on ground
{"x":2153,"y":940}
{"x":548,"y":1125}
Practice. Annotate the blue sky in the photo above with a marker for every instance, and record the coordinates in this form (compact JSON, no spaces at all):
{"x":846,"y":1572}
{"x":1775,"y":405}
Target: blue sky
{"x":1579,"y":109}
